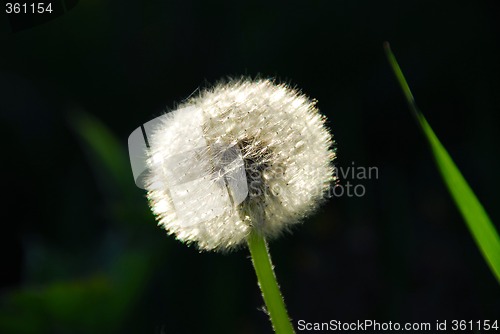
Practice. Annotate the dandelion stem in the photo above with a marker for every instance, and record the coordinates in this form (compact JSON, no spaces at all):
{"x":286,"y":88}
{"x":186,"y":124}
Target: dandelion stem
{"x":275,"y":305}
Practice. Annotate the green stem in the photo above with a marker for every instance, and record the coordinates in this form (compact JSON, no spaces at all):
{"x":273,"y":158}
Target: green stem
{"x":268,"y":285}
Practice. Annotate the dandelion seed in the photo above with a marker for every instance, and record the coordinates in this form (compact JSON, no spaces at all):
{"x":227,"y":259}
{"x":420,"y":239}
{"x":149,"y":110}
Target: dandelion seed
{"x":245,"y":155}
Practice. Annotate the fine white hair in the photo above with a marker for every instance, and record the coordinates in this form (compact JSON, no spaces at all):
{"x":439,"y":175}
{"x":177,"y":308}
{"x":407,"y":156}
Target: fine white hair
{"x":244,"y":155}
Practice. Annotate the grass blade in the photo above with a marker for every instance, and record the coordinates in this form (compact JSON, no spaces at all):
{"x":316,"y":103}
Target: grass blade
{"x":476,"y":218}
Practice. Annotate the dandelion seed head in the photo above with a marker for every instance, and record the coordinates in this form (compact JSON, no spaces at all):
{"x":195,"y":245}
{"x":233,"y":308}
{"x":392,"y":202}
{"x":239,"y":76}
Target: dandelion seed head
{"x":243,"y":155}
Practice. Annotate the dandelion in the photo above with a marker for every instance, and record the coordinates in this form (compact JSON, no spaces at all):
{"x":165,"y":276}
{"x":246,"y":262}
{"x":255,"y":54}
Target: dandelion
{"x":241,"y":162}
{"x":245,"y":155}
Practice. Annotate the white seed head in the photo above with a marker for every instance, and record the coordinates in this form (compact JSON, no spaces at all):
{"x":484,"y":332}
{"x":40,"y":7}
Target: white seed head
{"x":243,"y":155}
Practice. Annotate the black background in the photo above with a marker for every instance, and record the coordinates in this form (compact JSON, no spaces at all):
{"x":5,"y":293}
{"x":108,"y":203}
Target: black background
{"x":80,"y":251}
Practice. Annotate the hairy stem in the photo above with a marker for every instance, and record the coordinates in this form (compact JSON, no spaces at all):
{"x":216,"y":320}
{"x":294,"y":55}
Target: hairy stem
{"x":268,"y":285}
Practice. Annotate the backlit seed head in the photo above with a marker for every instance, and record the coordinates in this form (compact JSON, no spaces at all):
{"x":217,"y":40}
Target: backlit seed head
{"x":243,"y":155}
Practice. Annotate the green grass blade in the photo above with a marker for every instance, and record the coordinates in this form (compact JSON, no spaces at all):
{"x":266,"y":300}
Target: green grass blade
{"x":268,"y":284}
{"x":476,"y":218}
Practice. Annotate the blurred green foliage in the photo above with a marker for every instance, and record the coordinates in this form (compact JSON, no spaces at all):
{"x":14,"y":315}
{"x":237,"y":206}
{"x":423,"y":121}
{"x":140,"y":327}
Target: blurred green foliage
{"x":101,"y":302}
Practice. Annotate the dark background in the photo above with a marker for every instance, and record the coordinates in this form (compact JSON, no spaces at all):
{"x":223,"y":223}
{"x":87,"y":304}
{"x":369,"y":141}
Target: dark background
{"x":82,"y":254}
